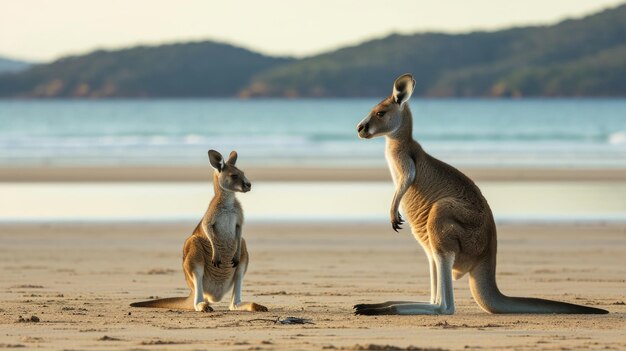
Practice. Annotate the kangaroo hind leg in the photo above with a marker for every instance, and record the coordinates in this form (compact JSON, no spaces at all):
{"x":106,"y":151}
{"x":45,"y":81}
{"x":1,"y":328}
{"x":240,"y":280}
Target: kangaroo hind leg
{"x":445,"y":297}
{"x":199,"y":303}
{"x":235,"y":303}
{"x":433,"y":289}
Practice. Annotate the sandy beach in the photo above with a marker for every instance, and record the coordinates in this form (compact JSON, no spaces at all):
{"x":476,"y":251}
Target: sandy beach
{"x":78,"y":280}
{"x":70,"y":269}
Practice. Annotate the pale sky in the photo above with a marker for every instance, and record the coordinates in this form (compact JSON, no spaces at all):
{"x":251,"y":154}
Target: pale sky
{"x":42,"y":30}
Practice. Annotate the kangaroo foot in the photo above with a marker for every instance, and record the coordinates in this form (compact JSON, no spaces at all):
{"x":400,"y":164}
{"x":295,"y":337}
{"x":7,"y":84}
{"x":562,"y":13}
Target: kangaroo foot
{"x":204,"y":307}
{"x":255,"y":307}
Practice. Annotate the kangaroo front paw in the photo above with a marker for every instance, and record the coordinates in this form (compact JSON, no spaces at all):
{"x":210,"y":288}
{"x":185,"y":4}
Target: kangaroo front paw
{"x":216,"y":262}
{"x":204,"y":307}
{"x":235,"y":262}
{"x":255,"y":307}
{"x":396,"y":221}
{"x":362,"y":306}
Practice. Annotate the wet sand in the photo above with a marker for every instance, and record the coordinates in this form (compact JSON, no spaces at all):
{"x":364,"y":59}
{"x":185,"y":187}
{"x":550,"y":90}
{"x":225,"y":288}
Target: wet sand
{"x":287,"y":173}
{"x":78,"y":279}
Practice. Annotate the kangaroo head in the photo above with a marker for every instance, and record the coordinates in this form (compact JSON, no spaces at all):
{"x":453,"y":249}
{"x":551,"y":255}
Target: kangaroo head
{"x":386,"y":117}
{"x":229,"y":177}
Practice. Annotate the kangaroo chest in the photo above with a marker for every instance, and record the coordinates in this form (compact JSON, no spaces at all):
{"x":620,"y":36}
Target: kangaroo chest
{"x":414,"y":204}
{"x":225,"y":228}
{"x":226,"y":224}
{"x":393,"y":164}
{"x":218,"y":281}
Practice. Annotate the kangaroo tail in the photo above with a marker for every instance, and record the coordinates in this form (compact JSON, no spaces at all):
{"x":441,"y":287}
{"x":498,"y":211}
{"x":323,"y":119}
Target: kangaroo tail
{"x":486,"y":293}
{"x":179,"y":303}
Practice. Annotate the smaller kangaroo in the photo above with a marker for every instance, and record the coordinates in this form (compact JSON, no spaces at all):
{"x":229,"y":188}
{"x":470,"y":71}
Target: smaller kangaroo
{"x":217,"y":236}
{"x":449,"y":217}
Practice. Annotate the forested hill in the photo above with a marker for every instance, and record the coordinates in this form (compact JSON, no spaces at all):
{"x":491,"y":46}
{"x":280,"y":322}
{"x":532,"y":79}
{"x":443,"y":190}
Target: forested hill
{"x":576,"y":57}
{"x":579,"y":57}
{"x":179,"y":70}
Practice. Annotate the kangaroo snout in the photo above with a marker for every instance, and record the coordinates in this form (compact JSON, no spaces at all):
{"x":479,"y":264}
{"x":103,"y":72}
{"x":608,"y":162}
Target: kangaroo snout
{"x":363,"y":130}
{"x":247,"y":186}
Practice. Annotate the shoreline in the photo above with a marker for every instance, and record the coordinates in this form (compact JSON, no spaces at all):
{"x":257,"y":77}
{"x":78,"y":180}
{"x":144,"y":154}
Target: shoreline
{"x":565,"y":201}
{"x":288,"y":174}
{"x":268,"y":225}
{"x":589,"y":223}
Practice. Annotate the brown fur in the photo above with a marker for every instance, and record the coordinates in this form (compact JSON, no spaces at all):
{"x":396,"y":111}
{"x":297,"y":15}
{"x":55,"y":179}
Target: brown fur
{"x":446,"y":211}
{"x":217,"y":236}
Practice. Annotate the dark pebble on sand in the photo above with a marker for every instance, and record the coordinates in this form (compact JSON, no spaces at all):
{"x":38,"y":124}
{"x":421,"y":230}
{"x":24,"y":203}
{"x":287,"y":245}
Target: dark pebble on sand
{"x":33,"y":319}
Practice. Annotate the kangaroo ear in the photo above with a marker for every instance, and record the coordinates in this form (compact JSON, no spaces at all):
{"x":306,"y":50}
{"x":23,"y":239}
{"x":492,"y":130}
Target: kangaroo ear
{"x":403,"y":88}
{"x":232,"y":158}
{"x":216,"y":160}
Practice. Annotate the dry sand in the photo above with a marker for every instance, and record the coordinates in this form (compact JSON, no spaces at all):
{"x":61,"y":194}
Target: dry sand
{"x":79,"y":279}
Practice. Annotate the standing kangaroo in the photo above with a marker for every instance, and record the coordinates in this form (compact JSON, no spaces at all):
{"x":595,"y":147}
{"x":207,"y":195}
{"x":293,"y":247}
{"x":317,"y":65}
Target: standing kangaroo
{"x":449,"y":217}
{"x":217,"y":235}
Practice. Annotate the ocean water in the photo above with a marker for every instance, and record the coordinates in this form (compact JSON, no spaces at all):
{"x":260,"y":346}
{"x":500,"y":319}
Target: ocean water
{"x":464,"y":132}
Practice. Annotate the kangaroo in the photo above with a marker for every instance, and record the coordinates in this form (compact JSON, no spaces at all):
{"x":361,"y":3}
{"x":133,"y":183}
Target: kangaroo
{"x":217,"y":236}
{"x":448,"y":216}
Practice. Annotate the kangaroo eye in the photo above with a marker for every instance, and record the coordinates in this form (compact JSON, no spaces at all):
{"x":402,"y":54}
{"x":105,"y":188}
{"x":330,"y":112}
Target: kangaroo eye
{"x":234,"y":176}
{"x":380,"y":113}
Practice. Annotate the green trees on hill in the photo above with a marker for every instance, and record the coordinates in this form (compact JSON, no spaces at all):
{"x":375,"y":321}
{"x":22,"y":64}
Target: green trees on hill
{"x":178,"y":70}
{"x":575,"y":57}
